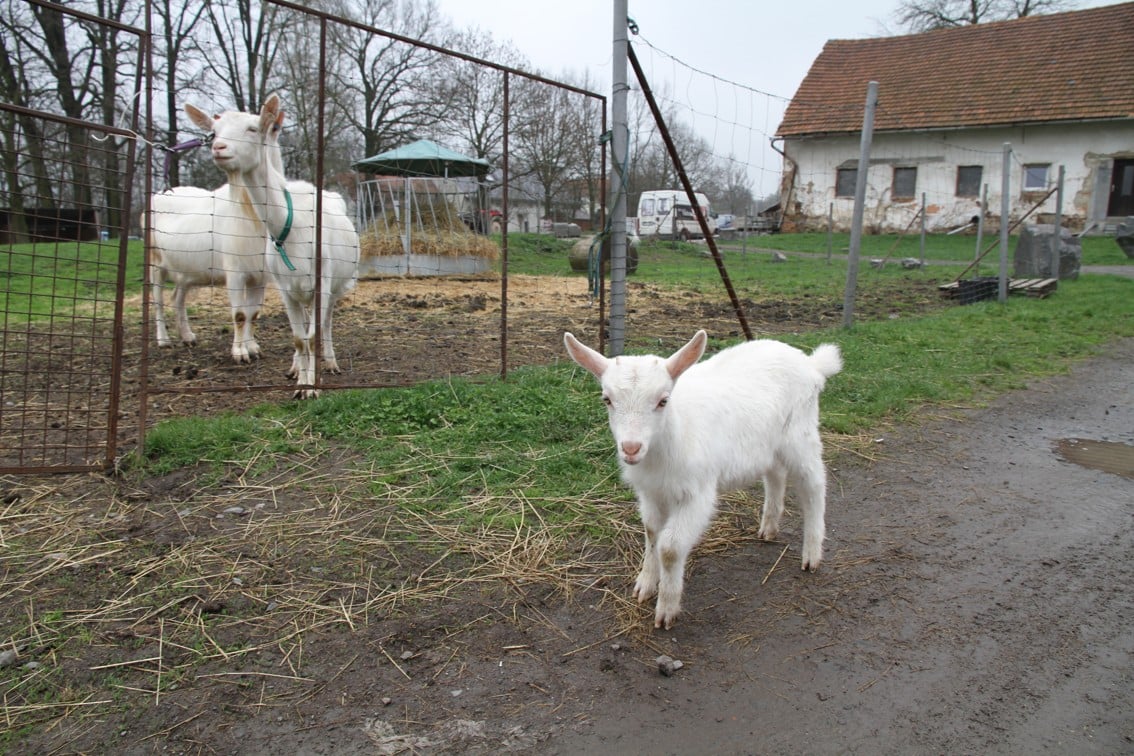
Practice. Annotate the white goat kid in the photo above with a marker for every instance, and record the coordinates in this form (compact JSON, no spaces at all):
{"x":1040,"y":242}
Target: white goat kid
{"x":199,"y":238}
{"x":288,"y":212}
{"x":686,"y":432}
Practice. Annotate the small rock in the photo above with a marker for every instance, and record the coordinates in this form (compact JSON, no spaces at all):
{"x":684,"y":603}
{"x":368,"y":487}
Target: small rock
{"x":8,"y":658}
{"x":386,"y":700}
{"x":235,"y":511}
{"x":407,"y":655}
{"x":668,"y":665}
{"x":779,"y":257}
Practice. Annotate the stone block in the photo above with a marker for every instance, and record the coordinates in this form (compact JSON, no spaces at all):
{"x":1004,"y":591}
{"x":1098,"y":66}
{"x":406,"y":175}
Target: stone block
{"x":1033,"y":257}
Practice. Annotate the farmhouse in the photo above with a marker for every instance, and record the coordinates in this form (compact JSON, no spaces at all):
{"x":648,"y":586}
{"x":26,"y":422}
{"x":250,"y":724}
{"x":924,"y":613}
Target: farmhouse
{"x":1058,"y":88}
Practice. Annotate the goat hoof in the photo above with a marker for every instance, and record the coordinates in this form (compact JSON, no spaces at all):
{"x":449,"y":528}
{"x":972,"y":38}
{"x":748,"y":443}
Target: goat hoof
{"x":305,"y":394}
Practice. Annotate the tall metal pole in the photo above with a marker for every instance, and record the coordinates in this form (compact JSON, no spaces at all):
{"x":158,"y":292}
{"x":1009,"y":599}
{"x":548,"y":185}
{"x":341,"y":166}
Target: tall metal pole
{"x":1005,"y":210}
{"x":921,"y":248}
{"x":980,"y":222}
{"x":619,"y":141}
{"x":859,"y":203}
{"x":1058,"y":243}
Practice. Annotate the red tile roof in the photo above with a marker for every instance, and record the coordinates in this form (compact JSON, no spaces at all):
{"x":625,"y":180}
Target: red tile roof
{"x":1060,"y":67}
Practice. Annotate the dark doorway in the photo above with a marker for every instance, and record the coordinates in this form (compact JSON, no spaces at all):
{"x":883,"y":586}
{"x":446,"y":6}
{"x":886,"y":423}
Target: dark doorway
{"x":1121,"y":189}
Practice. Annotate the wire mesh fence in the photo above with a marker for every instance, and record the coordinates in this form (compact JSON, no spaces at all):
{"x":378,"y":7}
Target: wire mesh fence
{"x":119,"y":314}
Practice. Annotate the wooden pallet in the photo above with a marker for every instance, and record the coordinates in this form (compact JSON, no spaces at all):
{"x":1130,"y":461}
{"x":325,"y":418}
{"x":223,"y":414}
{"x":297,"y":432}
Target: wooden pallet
{"x":1032,"y":287}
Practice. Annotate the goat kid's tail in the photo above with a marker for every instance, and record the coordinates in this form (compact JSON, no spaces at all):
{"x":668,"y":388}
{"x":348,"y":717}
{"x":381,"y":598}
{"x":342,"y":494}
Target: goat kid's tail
{"x":827,"y":360}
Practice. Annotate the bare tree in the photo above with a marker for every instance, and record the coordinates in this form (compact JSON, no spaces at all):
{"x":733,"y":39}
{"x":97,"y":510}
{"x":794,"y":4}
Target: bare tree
{"x":473,"y":94}
{"x":384,"y":81}
{"x":546,"y":148}
{"x":177,"y":23}
{"x":22,"y":84}
{"x":243,"y":47}
{"x":924,"y":15}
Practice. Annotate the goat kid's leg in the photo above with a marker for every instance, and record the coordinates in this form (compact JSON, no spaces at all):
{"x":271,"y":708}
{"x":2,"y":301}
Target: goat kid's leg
{"x":646,"y":585}
{"x":681,"y":533}
{"x":812,"y":486}
{"x":775,"y":485}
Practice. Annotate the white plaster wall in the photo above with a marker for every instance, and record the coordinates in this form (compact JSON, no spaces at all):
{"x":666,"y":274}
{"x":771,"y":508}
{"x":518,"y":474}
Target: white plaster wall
{"x":1085,"y":150}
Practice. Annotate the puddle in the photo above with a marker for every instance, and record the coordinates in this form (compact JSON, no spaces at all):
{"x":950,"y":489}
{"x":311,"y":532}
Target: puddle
{"x":1108,"y":456}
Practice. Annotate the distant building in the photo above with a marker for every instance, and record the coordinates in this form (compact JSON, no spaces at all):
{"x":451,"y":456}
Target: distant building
{"x":1059,"y":88}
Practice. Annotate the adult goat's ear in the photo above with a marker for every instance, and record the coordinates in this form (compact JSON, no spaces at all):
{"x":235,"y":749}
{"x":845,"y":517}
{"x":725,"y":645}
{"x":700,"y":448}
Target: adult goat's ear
{"x":198,"y":117}
{"x":586,"y":357}
{"x":271,"y":113}
{"x":685,"y":357}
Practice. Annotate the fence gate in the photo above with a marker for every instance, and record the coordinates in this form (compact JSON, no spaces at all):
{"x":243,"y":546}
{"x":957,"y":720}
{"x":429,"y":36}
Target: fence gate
{"x":64,"y":218}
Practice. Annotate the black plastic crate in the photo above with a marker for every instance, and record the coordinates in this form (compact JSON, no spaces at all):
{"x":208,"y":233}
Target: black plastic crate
{"x":978,"y":289}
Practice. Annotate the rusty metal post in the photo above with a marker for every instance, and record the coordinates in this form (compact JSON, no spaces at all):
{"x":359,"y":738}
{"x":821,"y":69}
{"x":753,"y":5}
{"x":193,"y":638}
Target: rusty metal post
{"x":320,"y":146}
{"x":679,"y":168}
{"x":504,"y":233}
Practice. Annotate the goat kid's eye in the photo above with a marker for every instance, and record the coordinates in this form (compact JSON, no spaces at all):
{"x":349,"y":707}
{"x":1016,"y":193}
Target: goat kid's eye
{"x":662,"y":402}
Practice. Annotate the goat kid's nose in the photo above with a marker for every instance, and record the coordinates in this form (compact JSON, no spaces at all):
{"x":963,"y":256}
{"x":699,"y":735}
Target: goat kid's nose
{"x":631,"y":448}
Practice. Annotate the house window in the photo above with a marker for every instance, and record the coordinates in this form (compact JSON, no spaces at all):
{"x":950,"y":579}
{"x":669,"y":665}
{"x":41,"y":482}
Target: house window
{"x":1035,"y":177}
{"x":905,"y":183}
{"x":968,"y":180}
{"x":845,"y":179}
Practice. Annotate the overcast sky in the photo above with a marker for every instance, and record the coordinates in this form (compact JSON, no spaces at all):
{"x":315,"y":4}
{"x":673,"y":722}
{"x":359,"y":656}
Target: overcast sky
{"x":768,"y":46}
{"x":763,"y":45}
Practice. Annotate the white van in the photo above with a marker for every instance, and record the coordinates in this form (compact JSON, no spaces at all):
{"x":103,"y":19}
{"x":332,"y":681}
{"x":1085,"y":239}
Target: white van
{"x":667,"y":214}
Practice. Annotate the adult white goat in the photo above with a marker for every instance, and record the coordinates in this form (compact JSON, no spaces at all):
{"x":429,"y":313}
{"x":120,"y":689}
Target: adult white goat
{"x":287,"y":210}
{"x":685,"y":432}
{"x":190,"y":250}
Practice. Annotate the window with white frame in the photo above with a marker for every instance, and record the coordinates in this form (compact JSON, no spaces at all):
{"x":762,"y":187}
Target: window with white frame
{"x":1035,"y":177}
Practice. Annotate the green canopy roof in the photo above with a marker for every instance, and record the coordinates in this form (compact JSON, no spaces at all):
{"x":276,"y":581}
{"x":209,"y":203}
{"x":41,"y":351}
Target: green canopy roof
{"x":423,"y":158}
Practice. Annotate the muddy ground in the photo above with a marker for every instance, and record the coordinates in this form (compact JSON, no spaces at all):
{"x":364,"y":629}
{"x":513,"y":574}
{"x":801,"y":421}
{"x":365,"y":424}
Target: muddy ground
{"x":974,"y":599}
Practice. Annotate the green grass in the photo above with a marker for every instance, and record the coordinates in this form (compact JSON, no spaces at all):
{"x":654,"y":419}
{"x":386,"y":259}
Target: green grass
{"x":65,"y":279}
{"x":1097,"y":250}
{"x":543,"y":430}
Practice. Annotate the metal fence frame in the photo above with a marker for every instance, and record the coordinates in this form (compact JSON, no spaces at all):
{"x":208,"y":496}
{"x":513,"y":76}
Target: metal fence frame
{"x":149,"y":153}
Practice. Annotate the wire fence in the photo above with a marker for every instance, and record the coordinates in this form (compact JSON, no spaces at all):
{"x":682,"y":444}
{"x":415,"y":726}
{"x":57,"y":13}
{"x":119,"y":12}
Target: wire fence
{"x":107,"y":330}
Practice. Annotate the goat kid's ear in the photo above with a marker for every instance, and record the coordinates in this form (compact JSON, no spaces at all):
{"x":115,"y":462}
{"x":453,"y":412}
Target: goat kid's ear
{"x":586,"y":357}
{"x":198,"y":117}
{"x":687,"y":356}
